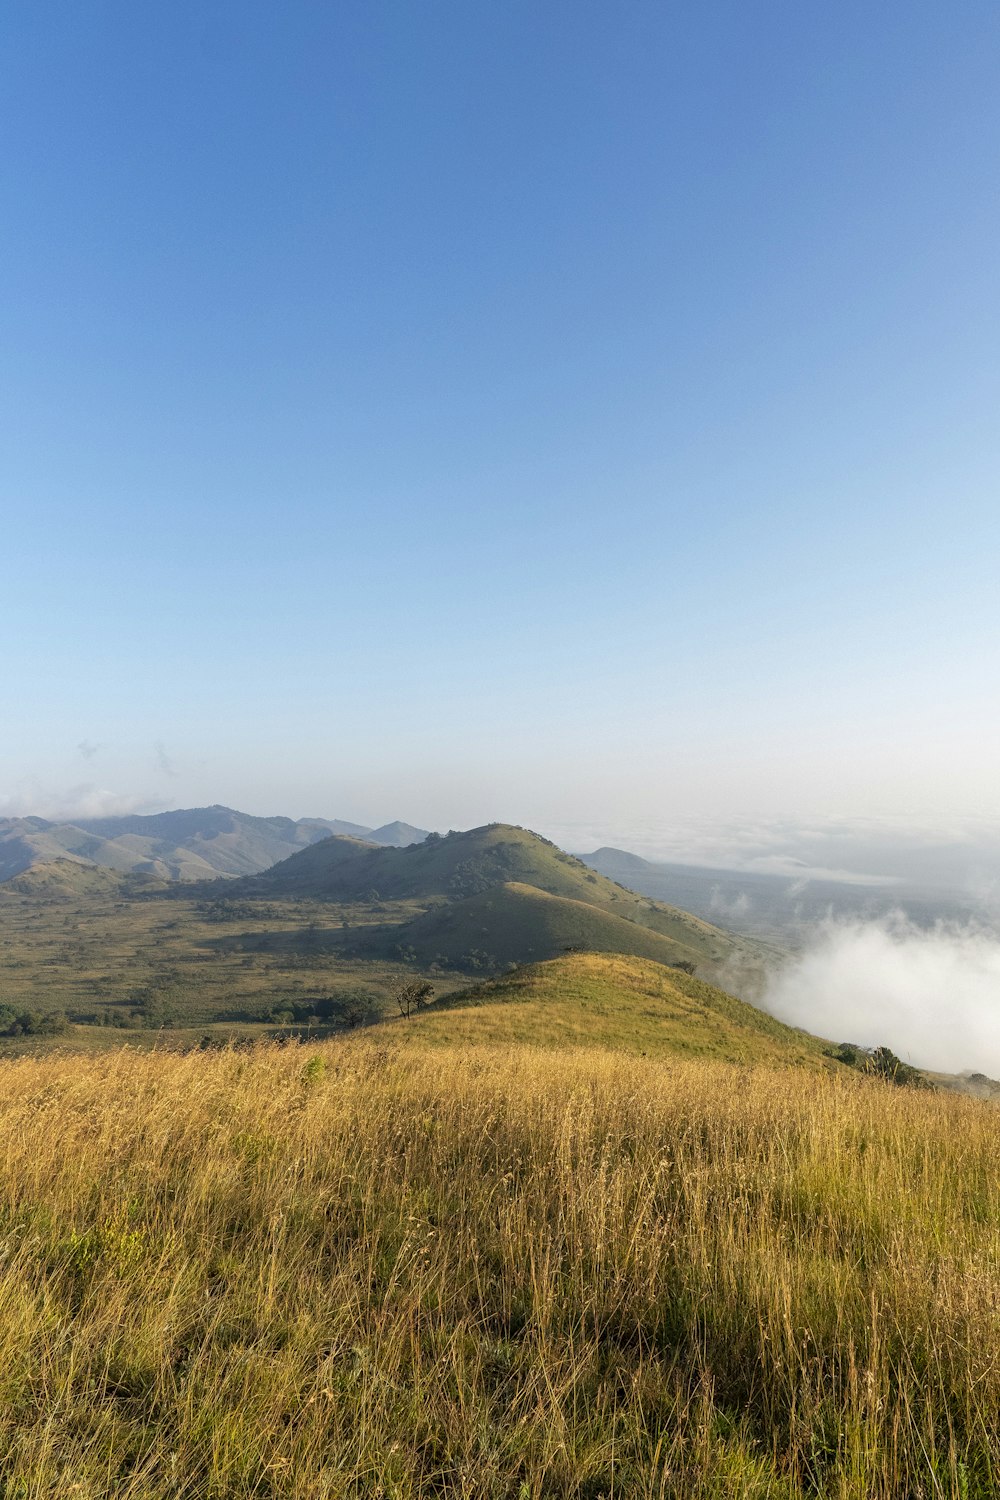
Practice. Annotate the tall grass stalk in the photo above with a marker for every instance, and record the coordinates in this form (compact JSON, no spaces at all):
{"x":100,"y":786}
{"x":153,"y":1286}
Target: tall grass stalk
{"x":345,"y":1271}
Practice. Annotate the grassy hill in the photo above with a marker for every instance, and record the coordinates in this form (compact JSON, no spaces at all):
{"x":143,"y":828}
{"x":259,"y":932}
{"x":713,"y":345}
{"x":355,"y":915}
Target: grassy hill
{"x":68,"y":878}
{"x":613,"y":1001}
{"x":488,"y":875}
{"x":450,"y":867}
{"x":320,"y":872}
{"x":517,"y":923}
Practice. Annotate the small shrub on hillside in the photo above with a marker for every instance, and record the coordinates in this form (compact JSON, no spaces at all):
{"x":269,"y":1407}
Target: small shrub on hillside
{"x":476,"y":958}
{"x":880,"y":1062}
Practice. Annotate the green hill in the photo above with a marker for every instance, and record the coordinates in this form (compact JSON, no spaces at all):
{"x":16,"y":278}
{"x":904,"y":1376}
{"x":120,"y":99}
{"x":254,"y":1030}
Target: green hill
{"x":612,"y":1001}
{"x":465,"y":868}
{"x":332,"y":870}
{"x":518,"y":923}
{"x":450,"y":867}
{"x":69,"y":877}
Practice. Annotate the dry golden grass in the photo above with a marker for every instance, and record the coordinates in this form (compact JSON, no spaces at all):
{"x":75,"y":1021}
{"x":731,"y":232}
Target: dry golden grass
{"x":617,"y":1002}
{"x":353,"y":1271}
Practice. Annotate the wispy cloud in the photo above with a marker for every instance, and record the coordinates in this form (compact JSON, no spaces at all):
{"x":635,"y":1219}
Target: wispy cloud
{"x":933,"y":996}
{"x":88,"y":749}
{"x":163,"y":760}
{"x":726,"y":906}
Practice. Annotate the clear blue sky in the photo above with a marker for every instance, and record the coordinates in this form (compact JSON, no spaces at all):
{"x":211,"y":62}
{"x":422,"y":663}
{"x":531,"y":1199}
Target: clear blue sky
{"x":552,"y":412}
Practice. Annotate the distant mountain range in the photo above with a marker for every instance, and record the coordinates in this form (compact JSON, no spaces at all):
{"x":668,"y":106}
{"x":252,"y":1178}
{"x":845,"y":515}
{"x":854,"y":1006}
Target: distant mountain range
{"x":196,"y":843}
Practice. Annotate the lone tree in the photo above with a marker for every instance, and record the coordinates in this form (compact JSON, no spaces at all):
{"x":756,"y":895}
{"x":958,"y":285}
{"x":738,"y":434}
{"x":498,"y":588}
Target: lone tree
{"x":413,"y":996}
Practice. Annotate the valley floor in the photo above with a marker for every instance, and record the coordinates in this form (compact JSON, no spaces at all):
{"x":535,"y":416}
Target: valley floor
{"x":499,"y":1273}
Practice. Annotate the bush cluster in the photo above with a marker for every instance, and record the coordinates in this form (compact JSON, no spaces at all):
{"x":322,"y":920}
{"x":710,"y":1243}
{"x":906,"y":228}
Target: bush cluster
{"x":31,"y":1022}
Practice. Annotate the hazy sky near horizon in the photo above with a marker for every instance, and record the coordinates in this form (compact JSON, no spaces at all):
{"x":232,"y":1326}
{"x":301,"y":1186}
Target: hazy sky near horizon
{"x":560,"y":413}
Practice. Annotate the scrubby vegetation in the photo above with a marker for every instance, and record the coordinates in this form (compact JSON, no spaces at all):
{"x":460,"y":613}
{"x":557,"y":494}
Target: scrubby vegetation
{"x":497,"y":1273}
{"x":31,"y":1022}
{"x":166,"y":966}
{"x":881,"y":1062}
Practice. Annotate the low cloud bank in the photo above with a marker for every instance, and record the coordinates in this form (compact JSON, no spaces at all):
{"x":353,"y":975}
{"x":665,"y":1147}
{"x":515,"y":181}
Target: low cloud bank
{"x":961,"y":856}
{"x":933,"y":996}
{"x":83,"y":801}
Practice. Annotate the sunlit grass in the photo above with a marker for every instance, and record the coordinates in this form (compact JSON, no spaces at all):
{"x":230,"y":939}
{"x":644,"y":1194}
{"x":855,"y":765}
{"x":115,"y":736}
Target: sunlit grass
{"x":354,"y":1270}
{"x":613,"y":1001}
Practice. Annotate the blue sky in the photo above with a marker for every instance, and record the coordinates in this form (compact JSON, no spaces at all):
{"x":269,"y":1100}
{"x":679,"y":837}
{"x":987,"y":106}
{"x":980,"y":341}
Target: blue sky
{"x":563,"y":413}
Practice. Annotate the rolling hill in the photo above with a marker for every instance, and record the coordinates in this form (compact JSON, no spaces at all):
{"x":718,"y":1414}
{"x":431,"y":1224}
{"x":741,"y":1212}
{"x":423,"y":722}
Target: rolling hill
{"x":614,"y":1001}
{"x":69,"y":878}
{"x":198,"y":843}
{"x":461,"y":865}
{"x":518,"y":923}
{"x":500,"y":894}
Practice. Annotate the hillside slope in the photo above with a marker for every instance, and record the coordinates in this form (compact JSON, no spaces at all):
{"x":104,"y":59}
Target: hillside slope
{"x":68,"y":878}
{"x":358,"y":1269}
{"x":468,"y":864}
{"x":613,"y":1001}
{"x":471,"y":866}
{"x":458,"y":865}
{"x":517,"y":923}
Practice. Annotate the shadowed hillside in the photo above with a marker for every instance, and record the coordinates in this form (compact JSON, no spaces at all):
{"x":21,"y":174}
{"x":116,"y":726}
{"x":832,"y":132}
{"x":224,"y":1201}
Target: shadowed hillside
{"x":501,"y":894}
{"x":518,"y":923}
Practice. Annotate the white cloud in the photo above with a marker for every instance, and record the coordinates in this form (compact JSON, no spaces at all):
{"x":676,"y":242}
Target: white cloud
{"x":933,"y":996}
{"x":163,"y":761}
{"x":962,"y":856}
{"x":737,"y":906}
{"x":85,"y":800}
